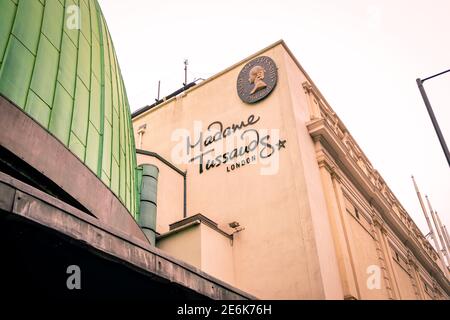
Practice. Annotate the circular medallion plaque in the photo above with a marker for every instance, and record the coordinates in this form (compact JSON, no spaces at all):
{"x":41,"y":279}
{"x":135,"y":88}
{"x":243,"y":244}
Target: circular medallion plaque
{"x":257,"y":79}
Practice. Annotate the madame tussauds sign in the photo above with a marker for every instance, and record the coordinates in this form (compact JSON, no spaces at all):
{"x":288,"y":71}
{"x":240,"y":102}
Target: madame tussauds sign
{"x":231,"y":146}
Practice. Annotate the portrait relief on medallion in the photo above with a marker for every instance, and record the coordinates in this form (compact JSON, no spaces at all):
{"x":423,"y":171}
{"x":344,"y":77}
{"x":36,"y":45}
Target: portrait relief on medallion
{"x":257,"y":79}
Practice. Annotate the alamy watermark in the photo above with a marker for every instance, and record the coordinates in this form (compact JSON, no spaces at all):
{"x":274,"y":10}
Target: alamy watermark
{"x":73,"y":20}
{"x":374,"y":279}
{"x":73,"y":281}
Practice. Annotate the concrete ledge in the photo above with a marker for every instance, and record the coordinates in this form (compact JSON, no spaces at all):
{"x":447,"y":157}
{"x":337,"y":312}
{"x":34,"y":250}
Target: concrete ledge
{"x":26,"y":202}
{"x":29,"y":141}
{"x":197,"y":218}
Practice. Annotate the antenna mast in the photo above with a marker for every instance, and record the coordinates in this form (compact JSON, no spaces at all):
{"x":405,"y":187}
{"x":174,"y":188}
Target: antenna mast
{"x":438,"y":231}
{"x":432,"y":234}
{"x":186,"y":62}
{"x":159,"y":90}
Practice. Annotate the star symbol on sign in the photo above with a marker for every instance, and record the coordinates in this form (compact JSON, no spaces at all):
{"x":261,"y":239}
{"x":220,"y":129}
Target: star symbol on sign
{"x":281,"y":144}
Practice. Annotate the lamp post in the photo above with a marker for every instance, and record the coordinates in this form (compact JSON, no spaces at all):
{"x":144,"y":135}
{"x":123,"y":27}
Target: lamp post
{"x":431,"y":113}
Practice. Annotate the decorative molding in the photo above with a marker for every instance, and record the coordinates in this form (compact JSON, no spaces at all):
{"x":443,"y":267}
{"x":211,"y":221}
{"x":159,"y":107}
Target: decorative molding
{"x":412,"y":259}
{"x":326,"y":126}
{"x":325,"y":161}
{"x":355,"y":154}
{"x":379,"y":223}
{"x":313,"y":100}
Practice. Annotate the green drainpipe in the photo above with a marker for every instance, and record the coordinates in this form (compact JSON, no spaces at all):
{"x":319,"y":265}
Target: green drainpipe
{"x":147,"y":212}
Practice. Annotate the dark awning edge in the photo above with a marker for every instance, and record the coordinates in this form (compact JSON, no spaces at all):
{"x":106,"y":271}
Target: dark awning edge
{"x":17,"y":198}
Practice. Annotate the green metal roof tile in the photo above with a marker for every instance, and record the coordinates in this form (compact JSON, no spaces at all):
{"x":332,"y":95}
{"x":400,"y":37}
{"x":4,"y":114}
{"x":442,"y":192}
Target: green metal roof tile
{"x":120,"y":92}
{"x":84,"y":61}
{"x":105,"y":178}
{"x":127,"y":197}
{"x":7,"y":15}
{"x":115,"y":176}
{"x":16,"y":71}
{"x":81,"y":112}
{"x":53,"y":22}
{"x":85,"y":21}
{"x":115,"y":100}
{"x":93,"y":146}
{"x":122,"y":172}
{"x":77,"y":147}
{"x":107,"y":98}
{"x":27,"y":26}
{"x":94,"y":21}
{"x":85,"y":2}
{"x":106,"y":55}
{"x":106,"y":159}
{"x":112,"y":61}
{"x":74,"y":87}
{"x":122,"y":131}
{"x":68,"y":65}
{"x":38,"y":109}
{"x":96,"y":61}
{"x":70,"y":19}
{"x":95,"y":111}
{"x":127,"y":162}
{"x":61,"y":118}
{"x":45,"y":71}
{"x":115,"y":137}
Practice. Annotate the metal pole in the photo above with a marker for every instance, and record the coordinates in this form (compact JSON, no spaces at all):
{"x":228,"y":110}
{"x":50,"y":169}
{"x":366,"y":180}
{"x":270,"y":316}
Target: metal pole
{"x":433,"y":236}
{"x":423,"y":209}
{"x":447,"y":238}
{"x":185,"y":72}
{"x":438,"y":231}
{"x":445,"y":244}
{"x":433,"y":76}
{"x":433,"y":118}
{"x":184,"y":195}
{"x":159,"y":90}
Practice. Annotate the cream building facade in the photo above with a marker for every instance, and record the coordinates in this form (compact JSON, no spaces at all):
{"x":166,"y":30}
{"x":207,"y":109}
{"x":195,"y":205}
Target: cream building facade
{"x":275,"y":197}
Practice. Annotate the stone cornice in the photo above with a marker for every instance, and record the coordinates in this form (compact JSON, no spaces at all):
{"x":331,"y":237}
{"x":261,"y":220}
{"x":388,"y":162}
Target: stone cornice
{"x":378,"y":222}
{"x":326,"y":126}
{"x":412,"y":260}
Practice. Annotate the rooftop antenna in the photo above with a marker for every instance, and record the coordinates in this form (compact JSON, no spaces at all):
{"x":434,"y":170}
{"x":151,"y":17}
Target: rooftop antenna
{"x":438,"y":230}
{"x":159,"y":90}
{"x":432,"y":234}
{"x":444,"y":236}
{"x":186,"y":62}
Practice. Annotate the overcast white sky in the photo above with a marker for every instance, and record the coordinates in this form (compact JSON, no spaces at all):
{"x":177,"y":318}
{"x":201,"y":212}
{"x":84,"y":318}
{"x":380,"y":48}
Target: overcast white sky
{"x":364,"y":55}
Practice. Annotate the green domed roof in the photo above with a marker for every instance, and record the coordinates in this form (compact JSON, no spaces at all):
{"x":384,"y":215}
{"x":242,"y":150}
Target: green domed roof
{"x":57,"y":63}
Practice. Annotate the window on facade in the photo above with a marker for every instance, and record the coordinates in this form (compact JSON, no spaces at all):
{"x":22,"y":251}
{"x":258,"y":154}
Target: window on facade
{"x":351,"y":208}
{"x":401,"y":260}
{"x":348,"y":205}
{"x":141,"y":132}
